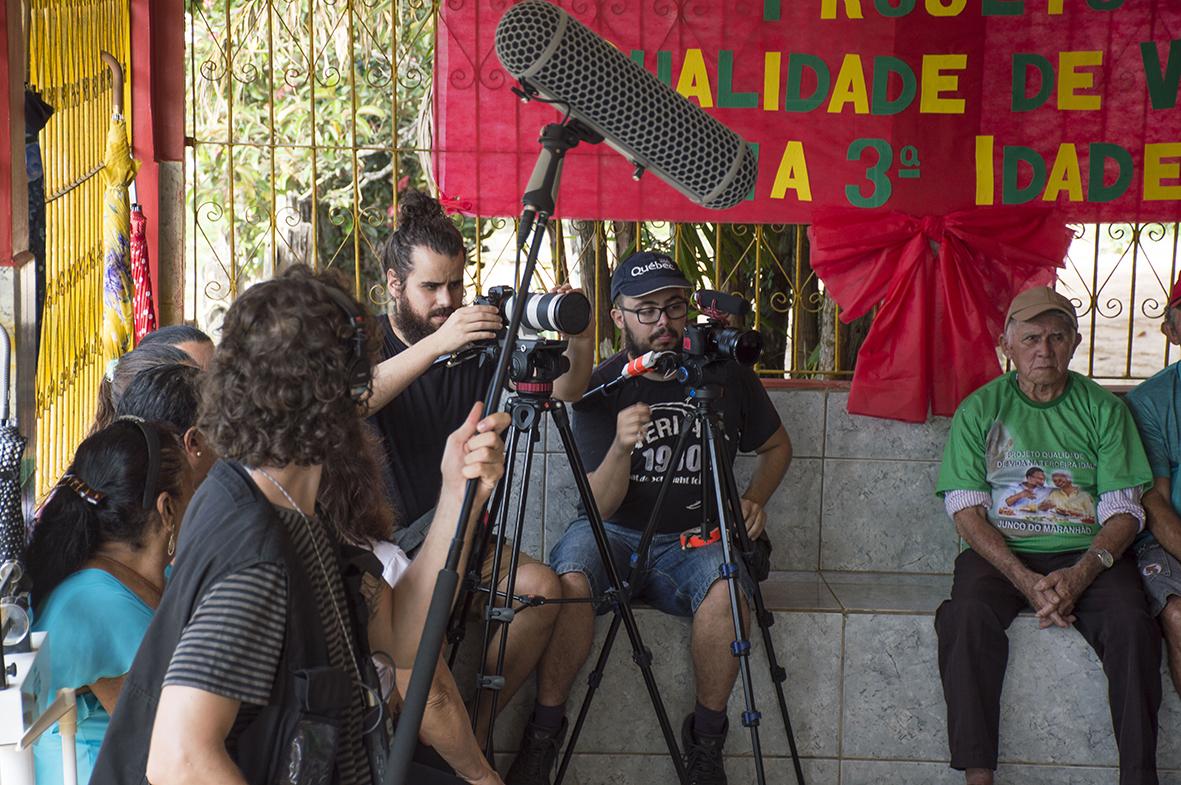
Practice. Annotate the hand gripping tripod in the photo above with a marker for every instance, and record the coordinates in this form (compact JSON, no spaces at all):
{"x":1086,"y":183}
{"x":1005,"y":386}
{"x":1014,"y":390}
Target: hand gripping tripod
{"x":531,"y":402}
{"x":717,"y":474}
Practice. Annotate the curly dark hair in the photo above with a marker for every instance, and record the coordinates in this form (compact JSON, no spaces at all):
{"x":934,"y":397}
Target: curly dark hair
{"x":277,"y":391}
{"x":352,"y":489}
{"x":421,"y":221}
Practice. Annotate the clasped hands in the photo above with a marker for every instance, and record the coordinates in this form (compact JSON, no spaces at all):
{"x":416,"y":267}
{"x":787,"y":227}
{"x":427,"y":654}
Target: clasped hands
{"x":1054,"y":596}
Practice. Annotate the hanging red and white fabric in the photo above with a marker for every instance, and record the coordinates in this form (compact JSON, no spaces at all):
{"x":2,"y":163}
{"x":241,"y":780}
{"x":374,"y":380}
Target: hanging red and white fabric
{"x":141,"y":277}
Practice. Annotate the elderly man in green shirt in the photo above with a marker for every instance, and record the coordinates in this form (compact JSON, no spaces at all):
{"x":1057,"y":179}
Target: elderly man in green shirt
{"x":1071,"y":567}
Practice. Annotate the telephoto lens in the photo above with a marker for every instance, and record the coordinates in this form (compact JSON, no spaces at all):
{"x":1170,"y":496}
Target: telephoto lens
{"x":565,"y":313}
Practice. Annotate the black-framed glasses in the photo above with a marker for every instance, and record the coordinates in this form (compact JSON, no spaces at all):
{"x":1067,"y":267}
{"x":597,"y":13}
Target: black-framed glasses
{"x":650,"y":314}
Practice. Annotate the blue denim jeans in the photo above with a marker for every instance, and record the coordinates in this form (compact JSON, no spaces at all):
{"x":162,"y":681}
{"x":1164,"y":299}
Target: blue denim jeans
{"x":675,"y":581}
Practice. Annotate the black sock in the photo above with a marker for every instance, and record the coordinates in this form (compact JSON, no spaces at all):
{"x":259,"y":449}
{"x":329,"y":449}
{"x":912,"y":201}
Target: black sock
{"x":548,"y":716}
{"x":708,"y":721}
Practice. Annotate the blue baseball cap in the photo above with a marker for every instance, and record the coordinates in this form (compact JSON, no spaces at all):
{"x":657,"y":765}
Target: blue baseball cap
{"x":646,"y":272}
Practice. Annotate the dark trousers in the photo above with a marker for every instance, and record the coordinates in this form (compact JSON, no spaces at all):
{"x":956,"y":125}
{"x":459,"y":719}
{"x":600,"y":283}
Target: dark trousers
{"x":974,"y":650}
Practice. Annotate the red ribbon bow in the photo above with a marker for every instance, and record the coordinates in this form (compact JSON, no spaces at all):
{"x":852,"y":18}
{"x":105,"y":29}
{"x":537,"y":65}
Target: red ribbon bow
{"x":942,"y":285}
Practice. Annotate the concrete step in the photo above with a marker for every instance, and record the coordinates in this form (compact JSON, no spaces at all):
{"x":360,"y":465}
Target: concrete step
{"x":863,"y":692}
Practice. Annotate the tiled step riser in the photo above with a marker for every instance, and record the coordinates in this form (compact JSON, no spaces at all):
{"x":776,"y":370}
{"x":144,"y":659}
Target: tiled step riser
{"x":866,"y":705}
{"x":858,"y":496}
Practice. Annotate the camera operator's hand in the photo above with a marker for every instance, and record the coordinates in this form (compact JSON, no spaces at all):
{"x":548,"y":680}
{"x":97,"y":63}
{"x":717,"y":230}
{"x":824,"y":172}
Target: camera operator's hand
{"x":755,"y":518}
{"x":589,"y":332}
{"x":475,"y":451}
{"x":466,"y":325}
{"x":630,"y":426}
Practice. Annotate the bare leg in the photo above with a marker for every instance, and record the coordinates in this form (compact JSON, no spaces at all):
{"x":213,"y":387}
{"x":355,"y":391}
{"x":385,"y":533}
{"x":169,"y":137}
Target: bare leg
{"x":529,"y":635}
{"x":715,"y":669}
{"x":978,"y":777}
{"x":1170,"y":622}
{"x":569,"y":646}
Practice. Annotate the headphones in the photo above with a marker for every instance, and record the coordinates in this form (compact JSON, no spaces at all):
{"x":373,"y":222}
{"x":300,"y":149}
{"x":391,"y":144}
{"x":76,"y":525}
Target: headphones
{"x":359,"y":372}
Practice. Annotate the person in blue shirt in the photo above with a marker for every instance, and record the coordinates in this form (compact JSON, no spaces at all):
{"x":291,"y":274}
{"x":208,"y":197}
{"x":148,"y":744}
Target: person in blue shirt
{"x":96,"y":561}
{"x":1156,"y":407}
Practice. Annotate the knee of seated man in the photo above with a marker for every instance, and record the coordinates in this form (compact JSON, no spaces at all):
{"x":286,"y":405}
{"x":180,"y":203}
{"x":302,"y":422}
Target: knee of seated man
{"x":717,"y":600}
{"x":1170,"y":620}
{"x":1133,"y":623}
{"x":963,"y":613}
{"x":538,"y":579}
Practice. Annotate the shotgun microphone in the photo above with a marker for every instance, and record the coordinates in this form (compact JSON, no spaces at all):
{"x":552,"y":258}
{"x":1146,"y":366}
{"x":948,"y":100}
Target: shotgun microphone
{"x":559,"y":59}
{"x":661,"y":362}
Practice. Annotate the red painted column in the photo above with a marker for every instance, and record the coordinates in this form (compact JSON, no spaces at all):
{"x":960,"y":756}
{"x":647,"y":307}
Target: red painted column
{"x":157,"y":95}
{"x":8,"y":149}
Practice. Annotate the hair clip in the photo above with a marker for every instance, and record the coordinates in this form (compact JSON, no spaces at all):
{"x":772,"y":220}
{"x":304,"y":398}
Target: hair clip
{"x":110,"y":373}
{"x":88,"y":494}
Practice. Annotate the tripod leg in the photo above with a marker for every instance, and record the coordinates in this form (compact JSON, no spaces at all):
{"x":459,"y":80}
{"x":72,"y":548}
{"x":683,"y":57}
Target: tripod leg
{"x":765,"y":619}
{"x":740,"y":648}
{"x":497,"y":542}
{"x":503,"y":615}
{"x":641,"y":556}
{"x":592,"y":681}
{"x":640,"y":653}
{"x":467,"y":590}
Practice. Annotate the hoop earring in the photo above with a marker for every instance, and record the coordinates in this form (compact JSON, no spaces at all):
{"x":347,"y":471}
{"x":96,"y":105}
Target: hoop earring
{"x":171,"y":542}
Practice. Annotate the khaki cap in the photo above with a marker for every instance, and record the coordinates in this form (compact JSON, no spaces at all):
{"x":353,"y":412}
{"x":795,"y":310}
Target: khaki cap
{"x":1034,"y":302}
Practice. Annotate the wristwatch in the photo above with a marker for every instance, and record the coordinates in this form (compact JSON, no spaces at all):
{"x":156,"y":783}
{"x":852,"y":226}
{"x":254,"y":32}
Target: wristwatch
{"x":1104,"y":557}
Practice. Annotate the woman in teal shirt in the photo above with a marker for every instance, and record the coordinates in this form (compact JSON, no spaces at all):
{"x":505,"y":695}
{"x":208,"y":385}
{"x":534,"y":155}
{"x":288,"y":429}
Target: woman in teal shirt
{"x":97,"y":561}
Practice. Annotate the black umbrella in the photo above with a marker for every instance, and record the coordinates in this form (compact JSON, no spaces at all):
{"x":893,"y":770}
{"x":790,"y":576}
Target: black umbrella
{"x":12,"y":524}
{"x":12,"y":449}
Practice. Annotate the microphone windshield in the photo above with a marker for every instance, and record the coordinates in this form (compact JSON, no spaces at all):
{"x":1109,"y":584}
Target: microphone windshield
{"x":644,"y":119}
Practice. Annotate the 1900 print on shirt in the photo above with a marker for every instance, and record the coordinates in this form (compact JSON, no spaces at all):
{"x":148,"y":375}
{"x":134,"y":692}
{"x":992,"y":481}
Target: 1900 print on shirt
{"x":1039,"y":492}
{"x":749,"y":417}
{"x":654,"y":451}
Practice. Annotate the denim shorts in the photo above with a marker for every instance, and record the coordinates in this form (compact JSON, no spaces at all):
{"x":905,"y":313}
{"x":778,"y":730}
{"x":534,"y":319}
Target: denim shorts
{"x":676,"y":581}
{"x":1160,"y":573}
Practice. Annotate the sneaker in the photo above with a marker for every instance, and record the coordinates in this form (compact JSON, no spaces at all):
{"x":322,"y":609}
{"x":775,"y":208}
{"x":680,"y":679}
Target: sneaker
{"x":538,"y":759}
{"x":703,"y":755}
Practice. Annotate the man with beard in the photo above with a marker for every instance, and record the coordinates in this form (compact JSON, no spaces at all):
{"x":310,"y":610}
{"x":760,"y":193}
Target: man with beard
{"x":626,"y":439}
{"x":419,"y":399}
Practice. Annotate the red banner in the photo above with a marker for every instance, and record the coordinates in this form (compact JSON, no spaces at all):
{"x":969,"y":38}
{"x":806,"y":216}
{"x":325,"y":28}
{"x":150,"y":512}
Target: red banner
{"x":923,"y":107}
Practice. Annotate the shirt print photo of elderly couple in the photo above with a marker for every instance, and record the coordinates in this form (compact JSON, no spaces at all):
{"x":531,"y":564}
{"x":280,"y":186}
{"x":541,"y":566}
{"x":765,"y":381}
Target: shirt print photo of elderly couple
{"x":1041,"y":492}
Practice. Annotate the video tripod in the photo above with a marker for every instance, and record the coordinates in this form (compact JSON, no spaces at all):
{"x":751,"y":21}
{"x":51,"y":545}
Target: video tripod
{"x":528,"y":405}
{"x":705,"y":391}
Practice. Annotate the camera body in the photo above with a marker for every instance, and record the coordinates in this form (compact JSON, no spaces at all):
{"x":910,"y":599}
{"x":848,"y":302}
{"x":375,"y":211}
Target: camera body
{"x":706,"y":347}
{"x":532,"y":359}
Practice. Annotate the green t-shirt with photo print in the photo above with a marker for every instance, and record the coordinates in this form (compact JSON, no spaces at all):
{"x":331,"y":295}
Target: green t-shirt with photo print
{"x":1045,"y":464}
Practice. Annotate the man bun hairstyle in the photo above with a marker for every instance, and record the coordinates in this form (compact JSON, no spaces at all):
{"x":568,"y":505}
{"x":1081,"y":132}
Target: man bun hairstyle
{"x":421,"y":222}
{"x":277,"y":391}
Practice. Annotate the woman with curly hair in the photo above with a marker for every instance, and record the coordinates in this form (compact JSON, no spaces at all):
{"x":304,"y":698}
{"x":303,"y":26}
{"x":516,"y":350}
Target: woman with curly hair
{"x":97,"y":562}
{"x":257,"y":668}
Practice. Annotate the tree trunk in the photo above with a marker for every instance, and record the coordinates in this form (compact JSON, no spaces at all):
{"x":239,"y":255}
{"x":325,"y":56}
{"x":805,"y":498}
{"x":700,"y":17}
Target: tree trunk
{"x":591,"y":252}
{"x":806,"y":307}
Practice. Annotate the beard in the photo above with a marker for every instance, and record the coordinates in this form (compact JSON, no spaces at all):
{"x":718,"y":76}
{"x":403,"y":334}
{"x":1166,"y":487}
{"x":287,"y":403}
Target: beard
{"x":635,"y":347}
{"x":412,"y":326}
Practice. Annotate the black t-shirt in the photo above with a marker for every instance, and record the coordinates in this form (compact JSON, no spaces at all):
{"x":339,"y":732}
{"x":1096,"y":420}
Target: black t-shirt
{"x":415,"y":425}
{"x":748,"y":413}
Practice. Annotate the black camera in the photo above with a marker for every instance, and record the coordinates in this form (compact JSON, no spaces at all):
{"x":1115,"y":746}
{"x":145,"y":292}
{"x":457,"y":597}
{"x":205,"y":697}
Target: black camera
{"x":568,"y":313}
{"x":705,"y":347}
